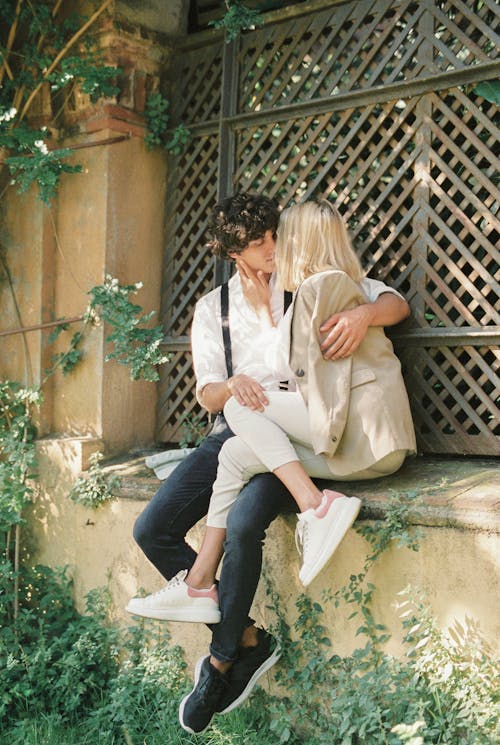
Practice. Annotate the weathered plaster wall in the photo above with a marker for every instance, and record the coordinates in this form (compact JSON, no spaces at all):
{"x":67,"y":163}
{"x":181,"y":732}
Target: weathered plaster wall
{"x":457,"y":569}
{"x":106,"y":220}
{"x":28,"y":255}
{"x":109,"y":222}
{"x":167,"y":16}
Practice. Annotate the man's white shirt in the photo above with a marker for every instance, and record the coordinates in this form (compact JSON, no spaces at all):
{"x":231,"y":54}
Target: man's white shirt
{"x":262,"y":355}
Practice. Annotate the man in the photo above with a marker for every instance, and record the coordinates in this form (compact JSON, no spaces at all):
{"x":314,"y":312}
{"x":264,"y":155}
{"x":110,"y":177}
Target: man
{"x":242,"y":226}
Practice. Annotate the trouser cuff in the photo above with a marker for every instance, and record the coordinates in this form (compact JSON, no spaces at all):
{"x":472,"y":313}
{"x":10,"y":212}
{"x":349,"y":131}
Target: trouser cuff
{"x":221,"y":656}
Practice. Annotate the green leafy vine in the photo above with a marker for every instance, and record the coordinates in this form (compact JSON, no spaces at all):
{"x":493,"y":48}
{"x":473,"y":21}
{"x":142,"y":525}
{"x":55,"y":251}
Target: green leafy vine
{"x":133,"y":341}
{"x":44,"y":55}
{"x":96,"y":487}
{"x":442,"y":690}
{"x":238,"y":18}
{"x":157,"y":119}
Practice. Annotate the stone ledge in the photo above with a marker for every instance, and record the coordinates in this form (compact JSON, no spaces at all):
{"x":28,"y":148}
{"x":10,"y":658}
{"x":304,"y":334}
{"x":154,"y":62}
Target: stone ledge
{"x":455,"y":492}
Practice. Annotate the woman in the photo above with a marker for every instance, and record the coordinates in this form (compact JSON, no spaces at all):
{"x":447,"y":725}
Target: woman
{"x":347,"y":419}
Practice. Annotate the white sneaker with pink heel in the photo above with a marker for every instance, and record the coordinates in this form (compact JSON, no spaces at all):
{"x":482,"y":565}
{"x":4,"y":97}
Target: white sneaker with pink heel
{"x":177,"y":601}
{"x":319,"y":531}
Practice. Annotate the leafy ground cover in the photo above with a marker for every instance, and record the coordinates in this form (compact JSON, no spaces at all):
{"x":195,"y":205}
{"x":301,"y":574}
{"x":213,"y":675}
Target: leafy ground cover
{"x":69,"y":677}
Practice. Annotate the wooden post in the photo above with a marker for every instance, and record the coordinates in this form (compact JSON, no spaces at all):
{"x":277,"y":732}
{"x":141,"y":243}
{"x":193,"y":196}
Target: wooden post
{"x":229,"y":103}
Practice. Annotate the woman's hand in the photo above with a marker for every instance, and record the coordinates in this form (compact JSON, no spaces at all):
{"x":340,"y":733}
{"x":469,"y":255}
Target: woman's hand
{"x":247,"y":392}
{"x":255,"y":286}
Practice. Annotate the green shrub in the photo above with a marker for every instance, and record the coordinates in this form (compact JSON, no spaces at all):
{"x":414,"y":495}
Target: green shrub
{"x":52,"y":658}
{"x":443,"y":688}
{"x":96,"y":487}
{"x":46,"y":48}
{"x":60,"y":668}
{"x":158,"y":134}
{"x":68,"y":678}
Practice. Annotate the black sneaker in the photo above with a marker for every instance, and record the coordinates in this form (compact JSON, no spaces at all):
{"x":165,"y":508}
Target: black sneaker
{"x":251,"y":664}
{"x":198,"y":707}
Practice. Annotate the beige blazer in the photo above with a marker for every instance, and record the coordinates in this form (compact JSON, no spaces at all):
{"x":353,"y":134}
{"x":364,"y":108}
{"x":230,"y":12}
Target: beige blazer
{"x":358,"y":406}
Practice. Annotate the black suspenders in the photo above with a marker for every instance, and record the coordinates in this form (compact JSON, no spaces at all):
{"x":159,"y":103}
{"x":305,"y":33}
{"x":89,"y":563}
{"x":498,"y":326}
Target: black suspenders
{"x":226,"y":335}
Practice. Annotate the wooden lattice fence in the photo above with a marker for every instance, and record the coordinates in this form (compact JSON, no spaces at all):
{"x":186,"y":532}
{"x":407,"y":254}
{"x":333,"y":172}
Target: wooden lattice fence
{"x":373,"y":105}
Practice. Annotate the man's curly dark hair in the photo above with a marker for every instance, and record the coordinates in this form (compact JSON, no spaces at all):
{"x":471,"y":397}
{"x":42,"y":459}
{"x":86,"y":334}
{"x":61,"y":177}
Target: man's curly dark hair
{"x":239,"y":219}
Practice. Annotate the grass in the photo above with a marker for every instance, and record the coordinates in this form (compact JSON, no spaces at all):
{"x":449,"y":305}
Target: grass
{"x":237,"y":728}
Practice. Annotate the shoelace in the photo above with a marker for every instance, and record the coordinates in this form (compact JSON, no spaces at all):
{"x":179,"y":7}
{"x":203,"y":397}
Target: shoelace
{"x":302,"y":536}
{"x":211,"y":690}
{"x":174,"y":582}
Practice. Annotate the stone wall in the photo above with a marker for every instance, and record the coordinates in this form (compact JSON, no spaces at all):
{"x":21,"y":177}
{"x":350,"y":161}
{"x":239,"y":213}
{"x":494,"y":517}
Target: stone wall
{"x":106,"y":220}
{"x":457,"y":564}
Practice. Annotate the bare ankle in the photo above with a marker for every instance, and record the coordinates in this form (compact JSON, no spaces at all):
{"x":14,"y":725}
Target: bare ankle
{"x":249,"y":637}
{"x":310,"y":501}
{"x":199,"y":580}
{"x":220,"y":665}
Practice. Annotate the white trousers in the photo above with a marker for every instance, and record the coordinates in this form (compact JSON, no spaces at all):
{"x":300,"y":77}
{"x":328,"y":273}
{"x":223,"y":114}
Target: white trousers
{"x":266,"y":440}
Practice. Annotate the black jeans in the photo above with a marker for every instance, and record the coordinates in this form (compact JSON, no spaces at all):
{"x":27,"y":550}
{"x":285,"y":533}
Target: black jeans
{"x":181,"y":501}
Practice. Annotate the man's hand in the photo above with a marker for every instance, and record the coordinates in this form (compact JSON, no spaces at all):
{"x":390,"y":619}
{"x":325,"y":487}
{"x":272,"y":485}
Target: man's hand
{"x":247,"y":392}
{"x":347,"y":329}
{"x":345,"y":332}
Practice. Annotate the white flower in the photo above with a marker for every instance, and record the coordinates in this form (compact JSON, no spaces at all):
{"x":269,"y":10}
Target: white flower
{"x":138,"y":285}
{"x":40,"y":145}
{"x":8,"y":115}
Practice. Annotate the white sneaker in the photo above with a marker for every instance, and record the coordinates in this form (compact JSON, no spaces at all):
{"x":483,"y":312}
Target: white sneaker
{"x":320,"y":531}
{"x":177,"y":601}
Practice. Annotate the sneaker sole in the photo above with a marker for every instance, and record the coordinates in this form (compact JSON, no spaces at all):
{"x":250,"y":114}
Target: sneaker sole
{"x":342,"y":525}
{"x":266,"y":665}
{"x":177,"y":614}
{"x":197,"y":671}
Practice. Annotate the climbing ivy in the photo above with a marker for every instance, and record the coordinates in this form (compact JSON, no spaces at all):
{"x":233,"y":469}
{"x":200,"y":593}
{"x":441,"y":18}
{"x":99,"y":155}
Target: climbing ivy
{"x":45,"y":55}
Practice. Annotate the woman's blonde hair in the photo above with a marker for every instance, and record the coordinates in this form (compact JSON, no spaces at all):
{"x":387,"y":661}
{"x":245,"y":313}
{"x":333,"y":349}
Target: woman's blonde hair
{"x":312,"y":237}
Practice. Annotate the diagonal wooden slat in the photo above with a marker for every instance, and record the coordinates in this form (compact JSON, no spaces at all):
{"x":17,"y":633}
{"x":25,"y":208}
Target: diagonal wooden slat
{"x":416,"y":179}
{"x":477,"y":264}
{"x":455,"y":297}
{"x":392,"y":45}
{"x":367,"y":31}
{"x":444,"y":376}
{"x":475,"y":52}
{"x":280,"y":53}
{"x":432,"y":390}
{"x":203,"y":83}
{"x":329,"y":28}
{"x":473,"y":391}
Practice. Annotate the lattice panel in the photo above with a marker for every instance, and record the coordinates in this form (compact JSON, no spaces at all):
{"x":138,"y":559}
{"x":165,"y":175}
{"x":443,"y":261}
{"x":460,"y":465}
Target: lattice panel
{"x":363,"y":159}
{"x":188,"y":268}
{"x":454,"y":395}
{"x":334,"y":50}
{"x":176,"y":398}
{"x":466,"y":33}
{"x":462,"y":264}
{"x":361,"y":45}
{"x":415,"y":178}
{"x":200,"y":73}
